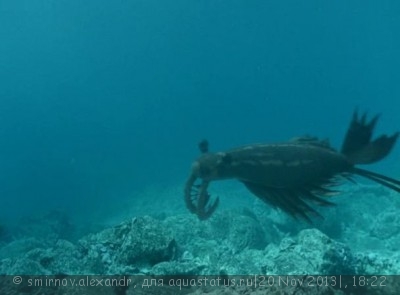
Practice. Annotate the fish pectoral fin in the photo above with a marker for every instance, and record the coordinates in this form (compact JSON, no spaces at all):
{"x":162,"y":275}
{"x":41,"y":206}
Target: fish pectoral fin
{"x":294,"y":201}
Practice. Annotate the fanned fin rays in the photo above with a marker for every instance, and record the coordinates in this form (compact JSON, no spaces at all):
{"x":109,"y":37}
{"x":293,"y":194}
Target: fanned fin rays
{"x":389,"y":182}
{"x":296,"y":201}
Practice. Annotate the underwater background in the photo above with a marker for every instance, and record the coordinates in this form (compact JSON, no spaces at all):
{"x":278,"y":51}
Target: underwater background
{"x":102,"y":104}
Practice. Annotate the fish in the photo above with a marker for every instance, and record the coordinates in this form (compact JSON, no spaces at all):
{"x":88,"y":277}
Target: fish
{"x":294,"y":176}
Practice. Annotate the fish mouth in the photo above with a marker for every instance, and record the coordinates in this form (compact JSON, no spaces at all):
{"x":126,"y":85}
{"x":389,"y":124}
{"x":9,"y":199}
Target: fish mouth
{"x":197,"y":199}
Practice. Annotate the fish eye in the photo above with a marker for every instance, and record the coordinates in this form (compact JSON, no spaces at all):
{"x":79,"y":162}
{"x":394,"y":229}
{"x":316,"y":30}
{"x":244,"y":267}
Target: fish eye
{"x":225,"y":159}
{"x":204,"y":171}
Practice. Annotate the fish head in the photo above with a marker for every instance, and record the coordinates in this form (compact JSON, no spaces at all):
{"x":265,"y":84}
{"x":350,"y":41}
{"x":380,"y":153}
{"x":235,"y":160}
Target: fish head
{"x":211,"y":166}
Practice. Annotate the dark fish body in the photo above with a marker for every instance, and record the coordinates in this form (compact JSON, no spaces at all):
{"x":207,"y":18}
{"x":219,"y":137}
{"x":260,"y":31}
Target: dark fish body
{"x":282,"y":165}
{"x":292,"y":175}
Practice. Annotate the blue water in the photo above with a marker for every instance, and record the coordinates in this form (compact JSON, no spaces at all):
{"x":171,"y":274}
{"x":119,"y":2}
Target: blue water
{"x":99,"y":99}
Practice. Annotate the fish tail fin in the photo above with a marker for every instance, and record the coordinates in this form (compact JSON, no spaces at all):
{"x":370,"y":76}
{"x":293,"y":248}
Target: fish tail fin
{"x":358,"y":146}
